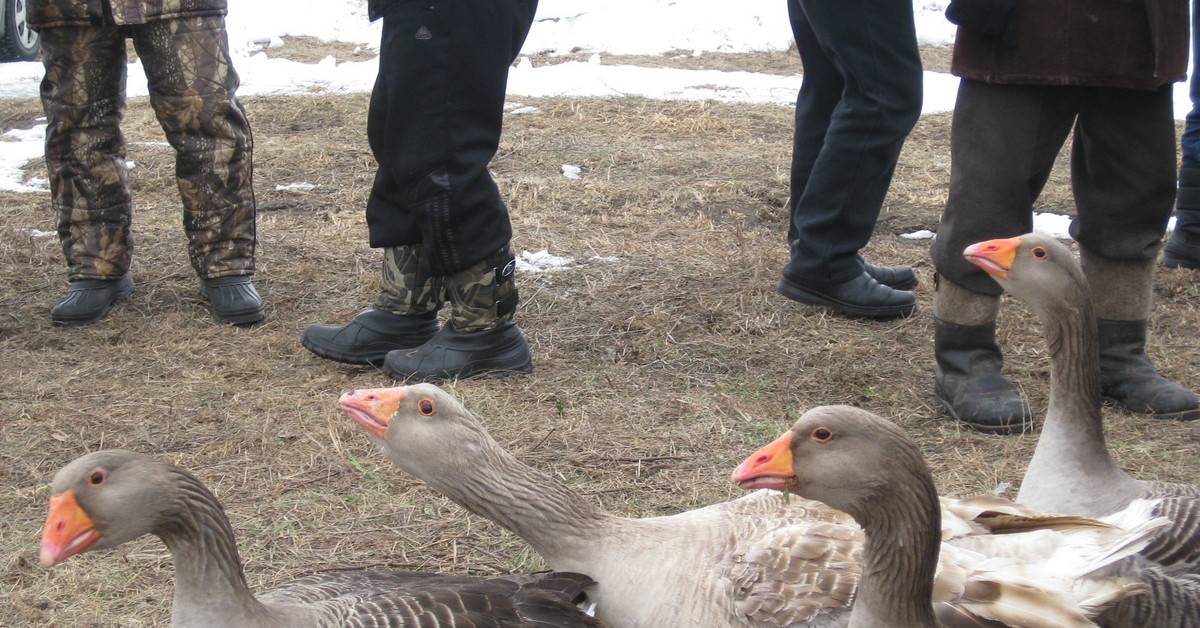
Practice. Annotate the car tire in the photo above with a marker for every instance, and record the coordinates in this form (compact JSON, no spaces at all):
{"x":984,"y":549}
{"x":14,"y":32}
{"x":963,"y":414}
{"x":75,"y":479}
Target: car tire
{"x":18,"y":42}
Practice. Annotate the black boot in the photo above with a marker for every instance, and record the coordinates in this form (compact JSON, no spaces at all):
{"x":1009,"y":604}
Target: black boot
{"x":969,"y":383}
{"x":453,"y":354}
{"x":894,"y":277}
{"x":1129,"y":379}
{"x":861,"y":296}
{"x":1183,"y":249}
{"x":368,"y":337}
{"x":88,"y":300}
{"x":233,"y":299}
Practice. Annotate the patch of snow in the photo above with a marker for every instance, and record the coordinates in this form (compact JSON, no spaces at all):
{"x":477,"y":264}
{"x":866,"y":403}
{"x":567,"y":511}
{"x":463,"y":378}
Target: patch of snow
{"x":130,"y":164}
{"x":301,"y":186}
{"x":17,"y":148}
{"x":38,"y":233}
{"x":921,"y":234}
{"x":594,"y":59}
{"x":607,"y":259}
{"x":516,"y":108}
{"x":542,"y":261}
{"x":571,"y":172}
{"x":1056,"y":225}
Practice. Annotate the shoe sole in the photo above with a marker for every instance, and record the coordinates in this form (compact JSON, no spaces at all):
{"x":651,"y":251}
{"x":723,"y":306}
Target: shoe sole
{"x":987,"y":428}
{"x":1183,"y":415}
{"x":801,"y":294}
{"x":371,"y":359}
{"x":480,"y":372}
{"x":123,"y":295}
{"x":241,"y":318}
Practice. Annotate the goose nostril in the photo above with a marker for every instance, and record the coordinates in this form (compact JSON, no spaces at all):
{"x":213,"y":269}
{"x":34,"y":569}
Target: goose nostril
{"x":60,"y":526}
{"x":761,"y":459}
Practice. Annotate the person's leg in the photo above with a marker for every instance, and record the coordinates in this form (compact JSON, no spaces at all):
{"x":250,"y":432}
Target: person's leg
{"x":437,"y":156}
{"x":192,"y":89}
{"x":872,"y":46}
{"x":1183,"y":249}
{"x":1122,"y":170}
{"x":83,"y":94}
{"x":1003,"y":143}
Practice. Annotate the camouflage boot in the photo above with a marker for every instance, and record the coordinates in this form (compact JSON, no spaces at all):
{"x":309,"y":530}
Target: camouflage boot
{"x":404,"y":316}
{"x":481,"y":337}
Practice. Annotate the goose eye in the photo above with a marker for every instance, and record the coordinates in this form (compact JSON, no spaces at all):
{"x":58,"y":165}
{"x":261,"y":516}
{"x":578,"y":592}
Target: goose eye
{"x":97,"y":477}
{"x":822,"y":435}
{"x":1039,"y":252}
{"x":425,"y":407}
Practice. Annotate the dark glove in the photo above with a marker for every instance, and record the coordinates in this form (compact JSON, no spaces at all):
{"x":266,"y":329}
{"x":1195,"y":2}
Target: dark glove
{"x":993,"y":18}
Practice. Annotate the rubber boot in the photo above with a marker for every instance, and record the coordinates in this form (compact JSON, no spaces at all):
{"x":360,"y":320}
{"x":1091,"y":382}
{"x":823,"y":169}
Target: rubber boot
{"x":1183,"y":249}
{"x":87,"y":301}
{"x":481,"y":338}
{"x":967,"y":378}
{"x":1128,"y":378}
{"x":404,"y":315}
{"x":234,"y":300}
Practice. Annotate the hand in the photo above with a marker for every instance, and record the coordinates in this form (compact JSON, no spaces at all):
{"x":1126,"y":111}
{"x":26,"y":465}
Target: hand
{"x":994,"y":18}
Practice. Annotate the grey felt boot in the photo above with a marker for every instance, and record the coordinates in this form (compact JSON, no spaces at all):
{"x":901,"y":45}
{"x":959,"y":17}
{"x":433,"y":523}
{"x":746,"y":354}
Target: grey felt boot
{"x":1183,"y":249}
{"x":1127,"y":377}
{"x":967,"y":379}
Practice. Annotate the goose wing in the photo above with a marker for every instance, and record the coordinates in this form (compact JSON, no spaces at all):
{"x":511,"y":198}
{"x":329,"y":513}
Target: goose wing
{"x":415,"y":600}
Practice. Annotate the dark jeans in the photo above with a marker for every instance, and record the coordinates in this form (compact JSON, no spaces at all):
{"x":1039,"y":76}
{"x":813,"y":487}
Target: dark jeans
{"x":860,"y":97}
{"x":1191,"y":130}
{"x":434,"y":124}
{"x":1003,"y":144}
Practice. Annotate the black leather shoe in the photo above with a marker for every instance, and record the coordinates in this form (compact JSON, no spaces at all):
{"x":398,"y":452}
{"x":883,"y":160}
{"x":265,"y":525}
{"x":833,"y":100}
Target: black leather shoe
{"x":894,"y":277}
{"x":234,"y":300}
{"x":369,"y":336}
{"x":88,"y":300}
{"x":453,"y":354}
{"x":861,"y":296}
{"x":968,"y":380}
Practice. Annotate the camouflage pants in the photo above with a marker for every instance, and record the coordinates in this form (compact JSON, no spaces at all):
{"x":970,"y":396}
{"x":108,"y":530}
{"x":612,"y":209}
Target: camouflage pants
{"x":481,"y":296}
{"x":192,"y":85}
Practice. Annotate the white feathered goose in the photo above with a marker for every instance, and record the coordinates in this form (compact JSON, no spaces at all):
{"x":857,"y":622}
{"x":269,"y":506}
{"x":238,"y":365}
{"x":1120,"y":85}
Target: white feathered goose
{"x":863,"y":465}
{"x":1071,"y":470}
{"x":107,"y":498}
{"x":761,"y":560}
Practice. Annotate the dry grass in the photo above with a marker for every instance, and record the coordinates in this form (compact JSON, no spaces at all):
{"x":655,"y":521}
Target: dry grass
{"x":785,"y":62}
{"x":655,"y":374}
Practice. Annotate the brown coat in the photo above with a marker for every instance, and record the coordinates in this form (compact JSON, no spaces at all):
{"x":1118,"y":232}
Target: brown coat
{"x":1139,"y":44}
{"x":51,"y":13}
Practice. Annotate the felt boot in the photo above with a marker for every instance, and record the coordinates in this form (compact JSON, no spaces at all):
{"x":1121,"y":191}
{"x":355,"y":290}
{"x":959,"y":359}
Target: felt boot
{"x":967,"y":378}
{"x":1127,"y":377}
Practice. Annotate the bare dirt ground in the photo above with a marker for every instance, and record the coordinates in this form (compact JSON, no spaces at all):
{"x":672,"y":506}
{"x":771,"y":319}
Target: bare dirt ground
{"x":655,"y":373}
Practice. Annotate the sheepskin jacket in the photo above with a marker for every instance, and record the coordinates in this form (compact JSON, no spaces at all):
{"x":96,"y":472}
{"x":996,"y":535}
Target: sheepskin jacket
{"x":1137,"y":44}
{"x":51,"y":13}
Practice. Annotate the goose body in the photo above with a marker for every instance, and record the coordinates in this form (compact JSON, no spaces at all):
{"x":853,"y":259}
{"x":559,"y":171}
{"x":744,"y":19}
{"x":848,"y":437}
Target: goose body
{"x":109,"y":497}
{"x":1071,"y":470}
{"x":865,"y":466}
{"x":761,"y":560}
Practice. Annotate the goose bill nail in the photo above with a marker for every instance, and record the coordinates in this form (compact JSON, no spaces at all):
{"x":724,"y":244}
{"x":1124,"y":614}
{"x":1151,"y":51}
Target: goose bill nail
{"x":372,"y":408}
{"x":769,"y":467}
{"x":995,"y":257}
{"x":69,"y":530}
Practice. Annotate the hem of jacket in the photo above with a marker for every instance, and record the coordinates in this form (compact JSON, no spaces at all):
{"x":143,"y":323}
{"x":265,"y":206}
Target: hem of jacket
{"x":1144,"y":84}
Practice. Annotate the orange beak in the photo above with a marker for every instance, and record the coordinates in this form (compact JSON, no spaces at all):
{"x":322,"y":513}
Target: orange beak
{"x":372,"y":408}
{"x":994,"y":256}
{"x":69,"y":530}
{"x":769,"y":467}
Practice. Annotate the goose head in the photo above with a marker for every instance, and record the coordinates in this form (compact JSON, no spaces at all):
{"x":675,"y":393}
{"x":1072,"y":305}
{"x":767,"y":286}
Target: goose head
{"x":421,"y":428}
{"x":840,"y":455}
{"x":102,"y":500}
{"x":1036,"y":268}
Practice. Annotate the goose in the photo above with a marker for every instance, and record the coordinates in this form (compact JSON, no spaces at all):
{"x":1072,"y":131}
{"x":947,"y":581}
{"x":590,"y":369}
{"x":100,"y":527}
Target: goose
{"x":1071,"y":470}
{"x":760,"y":560}
{"x":859,"y":463}
{"x":106,"y":498}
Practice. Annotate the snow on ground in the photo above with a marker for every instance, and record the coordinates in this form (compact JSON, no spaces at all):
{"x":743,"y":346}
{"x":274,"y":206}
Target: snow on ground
{"x":18,"y":147}
{"x":1056,"y":225}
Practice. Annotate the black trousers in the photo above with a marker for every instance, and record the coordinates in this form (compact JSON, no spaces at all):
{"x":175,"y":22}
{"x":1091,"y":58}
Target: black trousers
{"x":1003,"y":144}
{"x":860,"y":97}
{"x":434,"y":125}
